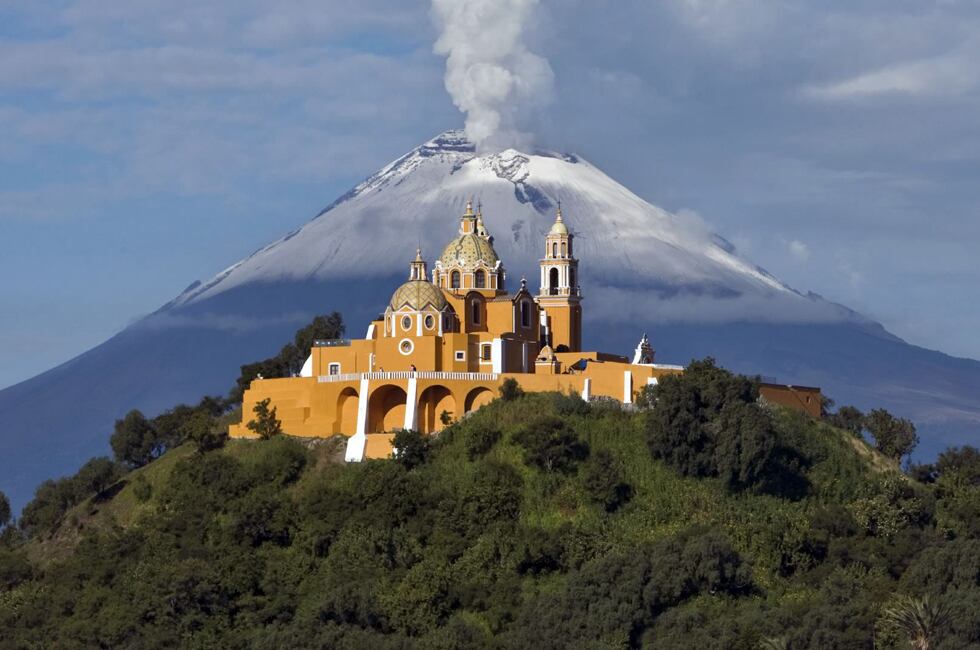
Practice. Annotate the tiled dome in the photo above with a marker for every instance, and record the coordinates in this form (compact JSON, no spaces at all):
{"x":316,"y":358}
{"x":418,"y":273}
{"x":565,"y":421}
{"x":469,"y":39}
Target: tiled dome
{"x":418,"y":295}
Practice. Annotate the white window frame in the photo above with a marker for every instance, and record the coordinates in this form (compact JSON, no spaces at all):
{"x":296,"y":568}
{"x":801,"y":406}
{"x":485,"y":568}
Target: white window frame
{"x":486,"y":353}
{"x":460,"y":355}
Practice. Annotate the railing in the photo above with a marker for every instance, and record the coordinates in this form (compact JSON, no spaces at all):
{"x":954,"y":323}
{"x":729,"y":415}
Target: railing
{"x":408,"y":374}
{"x":331,"y":343}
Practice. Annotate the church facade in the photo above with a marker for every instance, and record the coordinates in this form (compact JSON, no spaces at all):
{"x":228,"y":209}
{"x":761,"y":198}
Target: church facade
{"x":448,"y":339}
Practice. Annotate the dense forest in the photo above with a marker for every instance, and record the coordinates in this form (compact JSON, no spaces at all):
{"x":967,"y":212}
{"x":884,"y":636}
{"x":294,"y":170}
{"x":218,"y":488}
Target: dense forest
{"x":700,"y":518}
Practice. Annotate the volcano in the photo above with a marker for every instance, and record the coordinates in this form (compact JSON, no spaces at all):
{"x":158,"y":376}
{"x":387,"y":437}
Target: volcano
{"x":642,"y":270}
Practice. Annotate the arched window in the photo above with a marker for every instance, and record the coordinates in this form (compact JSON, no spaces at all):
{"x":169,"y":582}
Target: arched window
{"x":481,"y":279}
{"x":563,"y":252}
{"x":571,"y":278}
{"x":553,"y":281}
{"x":525,"y":313}
{"x":475,"y":311}
{"x":554,"y":249}
{"x":454,"y":280}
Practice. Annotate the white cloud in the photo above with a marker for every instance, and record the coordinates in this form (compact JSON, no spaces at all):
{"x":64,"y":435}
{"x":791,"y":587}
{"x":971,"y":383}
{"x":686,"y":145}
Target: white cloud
{"x":939,"y":76}
{"x":799,"y":250}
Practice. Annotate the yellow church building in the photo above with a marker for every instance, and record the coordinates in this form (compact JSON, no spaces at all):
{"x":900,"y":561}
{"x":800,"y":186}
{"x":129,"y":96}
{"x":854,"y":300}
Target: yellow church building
{"x":444,"y":346}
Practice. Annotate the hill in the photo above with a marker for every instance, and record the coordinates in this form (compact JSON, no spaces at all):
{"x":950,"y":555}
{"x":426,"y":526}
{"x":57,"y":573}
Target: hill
{"x":643,"y":269}
{"x":708,"y":521}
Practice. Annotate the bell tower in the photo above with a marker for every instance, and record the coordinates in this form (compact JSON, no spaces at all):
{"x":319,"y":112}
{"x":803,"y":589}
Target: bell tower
{"x":560,"y":296}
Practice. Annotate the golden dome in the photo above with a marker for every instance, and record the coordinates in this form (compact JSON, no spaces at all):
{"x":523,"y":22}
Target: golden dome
{"x":417,"y":295}
{"x":468,"y":249}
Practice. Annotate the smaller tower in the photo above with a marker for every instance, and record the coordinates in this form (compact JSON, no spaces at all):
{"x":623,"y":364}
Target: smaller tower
{"x":416,"y":270}
{"x":560,"y":295}
{"x":643,"y":354}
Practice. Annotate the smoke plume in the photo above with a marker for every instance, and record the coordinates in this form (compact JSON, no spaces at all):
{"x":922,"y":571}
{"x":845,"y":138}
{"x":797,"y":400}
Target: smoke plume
{"x":490,"y":74}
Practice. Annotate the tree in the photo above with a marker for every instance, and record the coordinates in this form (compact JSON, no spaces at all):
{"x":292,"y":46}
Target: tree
{"x":411,"y":448}
{"x":200,"y":429}
{"x":4,"y":510}
{"x":603,"y":481}
{"x":550,"y":444}
{"x":706,"y":422}
{"x":894,"y":437}
{"x":964,"y":462}
{"x":957,"y":480}
{"x":744,"y":441}
{"x":290,"y":359}
{"x":510,"y":390}
{"x":134,"y":440}
{"x":919,"y":620}
{"x":97,"y":475}
{"x":848,"y":418}
{"x":265,"y":424}
{"x":445,"y":418}
{"x":51,"y":501}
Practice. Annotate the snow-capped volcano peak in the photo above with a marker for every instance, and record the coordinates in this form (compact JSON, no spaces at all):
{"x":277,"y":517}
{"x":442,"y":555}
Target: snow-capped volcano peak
{"x":629,"y":249}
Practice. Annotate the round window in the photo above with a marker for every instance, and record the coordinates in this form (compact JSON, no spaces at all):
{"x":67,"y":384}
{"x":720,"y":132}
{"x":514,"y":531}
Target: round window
{"x":405,"y":347}
{"x":406,"y":322}
{"x":429,"y":322}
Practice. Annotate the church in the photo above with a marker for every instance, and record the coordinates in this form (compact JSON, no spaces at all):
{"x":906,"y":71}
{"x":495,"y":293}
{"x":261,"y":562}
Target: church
{"x":447,"y":340}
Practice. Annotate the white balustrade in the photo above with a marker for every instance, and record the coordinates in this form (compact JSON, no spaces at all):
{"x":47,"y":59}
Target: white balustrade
{"x":422,"y":374}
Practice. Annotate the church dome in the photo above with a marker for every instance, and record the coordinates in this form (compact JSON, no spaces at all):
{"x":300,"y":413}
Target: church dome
{"x":468,"y":249}
{"x":417,"y":295}
{"x":559,"y":227}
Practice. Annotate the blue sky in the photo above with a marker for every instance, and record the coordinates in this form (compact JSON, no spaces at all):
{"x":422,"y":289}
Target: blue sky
{"x":146,"y":145}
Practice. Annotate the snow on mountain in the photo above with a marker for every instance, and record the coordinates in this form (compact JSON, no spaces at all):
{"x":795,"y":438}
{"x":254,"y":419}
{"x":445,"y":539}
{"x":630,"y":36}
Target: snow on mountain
{"x":642,"y":269}
{"x":625,"y":243}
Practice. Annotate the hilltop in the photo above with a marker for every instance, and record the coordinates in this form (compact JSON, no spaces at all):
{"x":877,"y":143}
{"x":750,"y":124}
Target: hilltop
{"x":539,"y":520}
{"x":643,"y":269}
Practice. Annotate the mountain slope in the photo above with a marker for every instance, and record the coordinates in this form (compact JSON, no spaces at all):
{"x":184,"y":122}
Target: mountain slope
{"x":642,"y":269}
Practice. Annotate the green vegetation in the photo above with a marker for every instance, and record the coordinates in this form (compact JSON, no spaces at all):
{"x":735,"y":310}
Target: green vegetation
{"x":541,"y":521}
{"x":266,"y":424}
{"x":290,"y":359}
{"x":703,"y":519}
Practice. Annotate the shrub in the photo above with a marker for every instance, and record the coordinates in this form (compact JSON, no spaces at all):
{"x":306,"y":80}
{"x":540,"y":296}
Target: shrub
{"x":266,"y":425}
{"x":411,"y":448}
{"x":142,"y":489}
{"x":551,"y":445}
{"x":200,"y":428}
{"x":847,"y":418}
{"x":603,"y":481}
{"x":510,"y":390}
{"x":480,"y":439}
{"x":4,"y":510}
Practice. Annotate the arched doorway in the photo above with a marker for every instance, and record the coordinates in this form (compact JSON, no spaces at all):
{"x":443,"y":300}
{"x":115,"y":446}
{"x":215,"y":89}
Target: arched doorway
{"x":477,"y":397}
{"x":347,"y":411}
{"x":386,"y":409}
{"x":433,"y":401}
